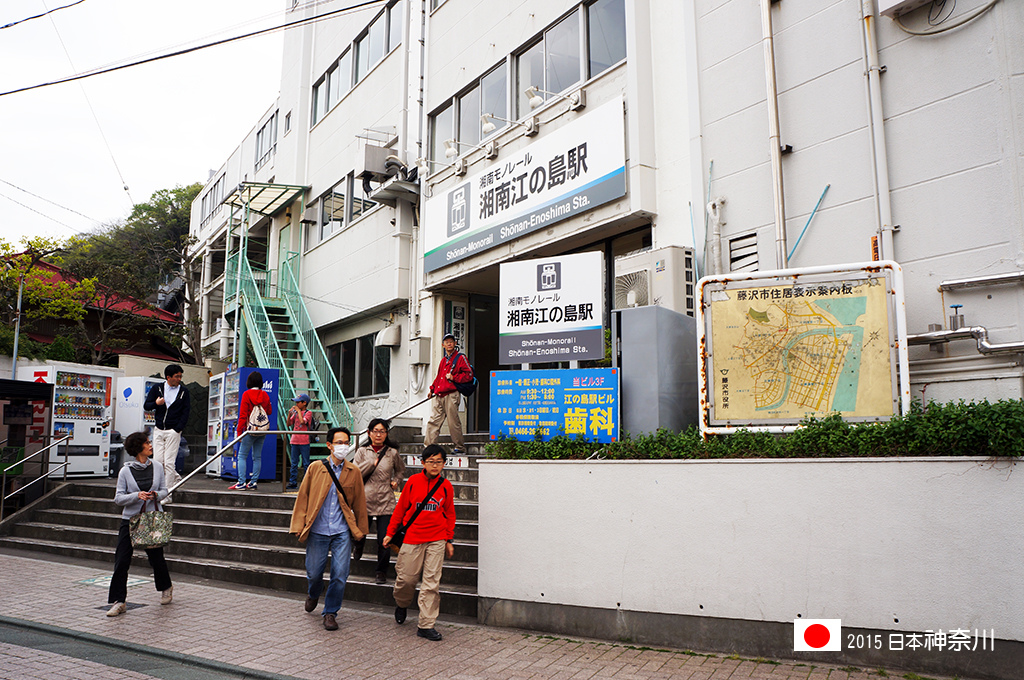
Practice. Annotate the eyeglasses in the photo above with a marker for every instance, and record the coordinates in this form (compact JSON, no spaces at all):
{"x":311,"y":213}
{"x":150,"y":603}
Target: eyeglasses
{"x":378,"y":431}
{"x":433,"y":462}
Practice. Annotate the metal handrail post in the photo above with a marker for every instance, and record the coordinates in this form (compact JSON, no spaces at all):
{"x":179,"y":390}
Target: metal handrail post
{"x":21,"y":489}
{"x":3,"y":485}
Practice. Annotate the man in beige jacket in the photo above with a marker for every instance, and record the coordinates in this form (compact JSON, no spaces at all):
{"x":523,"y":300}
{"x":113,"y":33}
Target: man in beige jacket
{"x":329,"y":521}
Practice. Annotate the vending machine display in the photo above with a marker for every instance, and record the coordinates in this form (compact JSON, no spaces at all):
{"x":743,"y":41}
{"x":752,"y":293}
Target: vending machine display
{"x":214,"y":423}
{"x":82,"y":408}
{"x":234,"y":387}
{"x":129,"y":416}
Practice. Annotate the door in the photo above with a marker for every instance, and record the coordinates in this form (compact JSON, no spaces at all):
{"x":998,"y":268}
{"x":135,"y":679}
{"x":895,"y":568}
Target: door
{"x":483,"y":354}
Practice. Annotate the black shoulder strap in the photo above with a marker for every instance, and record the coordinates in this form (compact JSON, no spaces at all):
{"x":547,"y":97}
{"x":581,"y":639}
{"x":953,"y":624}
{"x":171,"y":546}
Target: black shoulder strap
{"x":421,"y":504}
{"x":334,"y":478}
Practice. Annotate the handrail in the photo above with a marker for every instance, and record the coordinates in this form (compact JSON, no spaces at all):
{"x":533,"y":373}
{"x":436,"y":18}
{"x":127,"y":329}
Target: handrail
{"x":309,"y":341}
{"x":64,"y":466}
{"x":27,"y":458}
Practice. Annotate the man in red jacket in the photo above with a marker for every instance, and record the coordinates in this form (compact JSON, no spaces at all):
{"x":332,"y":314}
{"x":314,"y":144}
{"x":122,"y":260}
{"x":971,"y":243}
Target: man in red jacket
{"x":453,"y":368}
{"x":427,"y":541}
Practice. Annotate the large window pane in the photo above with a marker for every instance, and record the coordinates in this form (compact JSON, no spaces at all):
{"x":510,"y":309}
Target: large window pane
{"x":378,"y":38}
{"x":332,"y":211}
{"x":494,"y":95}
{"x":381,"y":370}
{"x":469,"y":117}
{"x":362,"y":57}
{"x":439,"y":132}
{"x":320,"y":100}
{"x":344,"y":74}
{"x":563,"y":53}
{"x":529,"y":71}
{"x":365,"y":379}
{"x":348,"y":368}
{"x":333,"y":89}
{"x":360,"y":203}
{"x":606,"y":33}
{"x":395,"y":26}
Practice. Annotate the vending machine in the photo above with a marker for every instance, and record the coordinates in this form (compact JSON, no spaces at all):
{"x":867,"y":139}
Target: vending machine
{"x":82,"y":408}
{"x":231,"y":399}
{"x":129,"y":415}
{"x":214,"y":424}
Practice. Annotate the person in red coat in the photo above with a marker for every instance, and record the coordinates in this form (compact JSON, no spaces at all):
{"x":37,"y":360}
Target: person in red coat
{"x":453,"y":368}
{"x":427,"y":541}
{"x":251,"y":443}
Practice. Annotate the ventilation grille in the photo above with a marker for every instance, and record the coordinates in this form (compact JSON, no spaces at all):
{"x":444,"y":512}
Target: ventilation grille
{"x":743,"y":253}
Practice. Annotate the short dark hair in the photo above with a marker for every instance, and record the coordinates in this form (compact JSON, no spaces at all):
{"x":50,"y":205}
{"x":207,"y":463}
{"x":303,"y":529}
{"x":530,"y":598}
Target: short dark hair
{"x":433,"y":450}
{"x":255,"y":379}
{"x":133,"y":443}
{"x":173,"y":369}
{"x":334,"y":430}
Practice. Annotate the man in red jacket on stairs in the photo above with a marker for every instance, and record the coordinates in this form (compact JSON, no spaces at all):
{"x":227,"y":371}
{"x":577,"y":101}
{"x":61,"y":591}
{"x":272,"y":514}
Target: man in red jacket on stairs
{"x":453,"y":368}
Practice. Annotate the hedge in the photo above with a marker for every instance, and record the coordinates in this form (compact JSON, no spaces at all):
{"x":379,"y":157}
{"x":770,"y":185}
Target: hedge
{"x":951,"y":429}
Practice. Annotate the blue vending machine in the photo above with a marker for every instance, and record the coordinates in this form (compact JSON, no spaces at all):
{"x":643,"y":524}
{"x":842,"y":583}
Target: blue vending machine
{"x":234,"y":386}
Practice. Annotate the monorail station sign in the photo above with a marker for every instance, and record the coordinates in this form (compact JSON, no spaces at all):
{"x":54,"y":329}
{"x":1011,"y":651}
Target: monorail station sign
{"x":571,"y":170}
{"x":551,"y":309}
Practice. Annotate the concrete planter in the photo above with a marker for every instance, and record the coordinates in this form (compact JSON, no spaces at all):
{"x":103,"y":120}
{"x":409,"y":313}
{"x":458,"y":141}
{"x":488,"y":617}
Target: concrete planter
{"x":725,"y":554}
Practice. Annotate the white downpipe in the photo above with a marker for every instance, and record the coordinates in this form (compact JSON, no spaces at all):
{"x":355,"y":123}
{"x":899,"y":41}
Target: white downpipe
{"x":876,"y":122}
{"x":714,"y":209}
{"x":774,"y":137}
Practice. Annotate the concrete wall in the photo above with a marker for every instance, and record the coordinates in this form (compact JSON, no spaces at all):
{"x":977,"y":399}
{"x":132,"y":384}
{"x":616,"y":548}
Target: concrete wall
{"x":690,"y":553}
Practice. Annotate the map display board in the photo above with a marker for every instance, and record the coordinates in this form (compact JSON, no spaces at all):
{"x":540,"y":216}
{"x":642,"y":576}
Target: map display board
{"x":572,"y":402}
{"x":781,"y":346}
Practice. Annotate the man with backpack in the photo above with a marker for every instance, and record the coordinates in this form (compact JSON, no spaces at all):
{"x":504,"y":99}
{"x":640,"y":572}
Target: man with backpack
{"x":454,"y":368}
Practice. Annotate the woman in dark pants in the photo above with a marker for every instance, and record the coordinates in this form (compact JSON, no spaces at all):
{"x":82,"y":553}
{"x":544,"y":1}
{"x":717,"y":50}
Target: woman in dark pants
{"x":136,"y":475}
{"x":382,"y":470}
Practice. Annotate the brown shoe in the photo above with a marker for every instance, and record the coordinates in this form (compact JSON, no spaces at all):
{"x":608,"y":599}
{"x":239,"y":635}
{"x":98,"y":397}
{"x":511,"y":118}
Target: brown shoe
{"x":330,"y":622}
{"x":311,"y":604}
{"x":380,"y":577}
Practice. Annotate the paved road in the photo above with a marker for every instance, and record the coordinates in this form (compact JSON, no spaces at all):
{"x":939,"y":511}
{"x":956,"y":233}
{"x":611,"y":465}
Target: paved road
{"x":52,"y":626}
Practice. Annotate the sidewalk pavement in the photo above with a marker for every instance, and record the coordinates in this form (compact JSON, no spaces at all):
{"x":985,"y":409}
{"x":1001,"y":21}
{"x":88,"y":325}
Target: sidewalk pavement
{"x":222,"y":625}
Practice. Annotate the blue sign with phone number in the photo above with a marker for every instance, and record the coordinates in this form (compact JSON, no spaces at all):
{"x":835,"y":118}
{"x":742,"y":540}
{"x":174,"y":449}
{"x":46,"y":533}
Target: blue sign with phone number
{"x":572,"y":402}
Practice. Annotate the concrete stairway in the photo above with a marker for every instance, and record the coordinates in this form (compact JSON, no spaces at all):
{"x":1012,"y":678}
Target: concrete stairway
{"x":242,"y":537}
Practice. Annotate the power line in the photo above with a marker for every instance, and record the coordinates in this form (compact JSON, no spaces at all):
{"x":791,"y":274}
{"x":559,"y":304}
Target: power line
{"x":54,"y":219}
{"x":177,"y":53}
{"x":38,"y":16}
{"x":64,"y":207}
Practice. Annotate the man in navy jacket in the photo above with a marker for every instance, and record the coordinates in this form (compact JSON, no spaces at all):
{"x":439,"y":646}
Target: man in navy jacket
{"x":171,"y":404}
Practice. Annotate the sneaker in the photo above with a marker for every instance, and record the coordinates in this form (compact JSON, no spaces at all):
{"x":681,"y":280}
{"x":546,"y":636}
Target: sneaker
{"x":291,"y":487}
{"x":251,"y":486}
{"x":167,"y":595}
{"x":400,"y":613}
{"x":117,"y":609}
{"x":429,"y":633}
{"x":457,"y":451}
{"x":380,"y":578}
{"x":237,"y":486}
{"x":330,"y":622}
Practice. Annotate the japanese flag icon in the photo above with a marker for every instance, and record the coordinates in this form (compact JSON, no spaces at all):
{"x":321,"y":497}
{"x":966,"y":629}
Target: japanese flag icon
{"x":817,"y":635}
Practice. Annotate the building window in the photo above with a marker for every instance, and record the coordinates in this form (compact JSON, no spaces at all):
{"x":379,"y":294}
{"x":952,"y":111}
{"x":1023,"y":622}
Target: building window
{"x":332,"y":211}
{"x":211,"y":200}
{"x":469,"y":117}
{"x":434,"y":4}
{"x":266,"y":141}
{"x":362,"y":369}
{"x":361,"y":203}
{"x":287,"y":122}
{"x":494,"y":94}
{"x":553,"y":64}
{"x":441,"y":129}
{"x":606,"y":34}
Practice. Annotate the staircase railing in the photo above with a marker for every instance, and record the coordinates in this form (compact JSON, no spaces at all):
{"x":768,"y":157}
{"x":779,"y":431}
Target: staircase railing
{"x":318,"y":365}
{"x":268,"y":353}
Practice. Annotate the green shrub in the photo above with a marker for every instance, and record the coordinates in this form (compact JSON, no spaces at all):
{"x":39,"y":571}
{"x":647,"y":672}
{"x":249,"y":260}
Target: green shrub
{"x":953,"y":429}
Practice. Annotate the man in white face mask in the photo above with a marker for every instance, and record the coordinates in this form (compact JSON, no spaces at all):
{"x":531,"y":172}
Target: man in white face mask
{"x":329,"y":514}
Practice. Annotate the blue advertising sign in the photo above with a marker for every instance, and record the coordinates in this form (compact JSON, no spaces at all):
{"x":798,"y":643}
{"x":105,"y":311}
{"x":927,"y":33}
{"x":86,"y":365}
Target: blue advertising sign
{"x":572,"y":402}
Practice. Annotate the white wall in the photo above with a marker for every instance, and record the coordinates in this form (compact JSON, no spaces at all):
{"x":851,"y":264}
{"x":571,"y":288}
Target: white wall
{"x":933,"y":543}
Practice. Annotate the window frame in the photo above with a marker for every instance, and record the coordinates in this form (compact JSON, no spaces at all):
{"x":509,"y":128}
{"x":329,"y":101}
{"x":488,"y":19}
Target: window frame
{"x":378,"y":373}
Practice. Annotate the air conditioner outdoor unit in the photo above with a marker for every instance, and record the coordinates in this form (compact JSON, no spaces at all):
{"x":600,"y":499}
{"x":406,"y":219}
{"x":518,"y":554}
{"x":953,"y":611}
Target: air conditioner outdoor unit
{"x":663,"y":277}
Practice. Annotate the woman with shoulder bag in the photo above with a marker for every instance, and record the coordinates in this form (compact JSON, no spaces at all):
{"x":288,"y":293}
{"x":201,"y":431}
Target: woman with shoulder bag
{"x":252,"y":442}
{"x":382,"y":470}
{"x":136,"y":475}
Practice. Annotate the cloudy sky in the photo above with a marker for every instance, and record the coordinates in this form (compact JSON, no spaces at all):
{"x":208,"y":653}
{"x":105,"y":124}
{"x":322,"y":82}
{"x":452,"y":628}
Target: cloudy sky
{"x":67,"y":151}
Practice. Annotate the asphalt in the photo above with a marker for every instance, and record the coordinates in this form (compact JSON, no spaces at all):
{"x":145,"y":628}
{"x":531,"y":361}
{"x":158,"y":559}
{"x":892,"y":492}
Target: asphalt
{"x":53,"y":625}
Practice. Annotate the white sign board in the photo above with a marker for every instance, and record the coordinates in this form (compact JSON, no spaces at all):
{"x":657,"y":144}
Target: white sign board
{"x":551,"y":309}
{"x":571,"y":170}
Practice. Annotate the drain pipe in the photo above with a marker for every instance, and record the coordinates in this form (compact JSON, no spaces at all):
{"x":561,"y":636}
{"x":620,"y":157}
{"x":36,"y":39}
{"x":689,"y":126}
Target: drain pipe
{"x":714,"y":210}
{"x":979,"y":333}
{"x":774,"y":138}
{"x":876,"y":123}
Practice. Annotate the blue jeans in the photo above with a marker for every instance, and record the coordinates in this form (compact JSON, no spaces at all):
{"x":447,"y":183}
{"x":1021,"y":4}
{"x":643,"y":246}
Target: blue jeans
{"x":254,"y":445}
{"x":340,"y":547}
{"x":298,"y":451}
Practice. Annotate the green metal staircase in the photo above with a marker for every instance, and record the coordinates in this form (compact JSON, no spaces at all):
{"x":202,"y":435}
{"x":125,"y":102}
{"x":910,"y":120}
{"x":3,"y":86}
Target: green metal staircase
{"x":283,"y":337}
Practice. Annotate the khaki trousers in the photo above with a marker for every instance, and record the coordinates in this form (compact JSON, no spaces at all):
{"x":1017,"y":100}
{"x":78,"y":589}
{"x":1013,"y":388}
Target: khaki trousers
{"x":165,"y":452}
{"x":446,"y":406}
{"x":414,"y":560}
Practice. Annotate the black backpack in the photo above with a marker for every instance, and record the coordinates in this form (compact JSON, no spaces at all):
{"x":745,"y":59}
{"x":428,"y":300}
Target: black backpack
{"x":469,"y":387}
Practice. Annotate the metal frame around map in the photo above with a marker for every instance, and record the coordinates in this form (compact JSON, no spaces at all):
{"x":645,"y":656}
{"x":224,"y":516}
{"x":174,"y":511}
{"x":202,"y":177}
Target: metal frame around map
{"x":895,"y":311}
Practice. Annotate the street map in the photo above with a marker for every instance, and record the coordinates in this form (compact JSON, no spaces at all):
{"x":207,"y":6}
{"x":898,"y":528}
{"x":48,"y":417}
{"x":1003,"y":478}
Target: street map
{"x":787,"y":351}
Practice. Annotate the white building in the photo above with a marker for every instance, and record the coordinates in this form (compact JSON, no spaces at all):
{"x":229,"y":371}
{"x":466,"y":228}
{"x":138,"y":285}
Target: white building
{"x":642,"y":112}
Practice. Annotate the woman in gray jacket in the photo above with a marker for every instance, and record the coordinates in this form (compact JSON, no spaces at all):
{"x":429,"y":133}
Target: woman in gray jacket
{"x":136,"y":475}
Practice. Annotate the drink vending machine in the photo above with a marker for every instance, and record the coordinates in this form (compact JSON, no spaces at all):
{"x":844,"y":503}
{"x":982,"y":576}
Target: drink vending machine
{"x":82,"y":407}
{"x":226,"y":392}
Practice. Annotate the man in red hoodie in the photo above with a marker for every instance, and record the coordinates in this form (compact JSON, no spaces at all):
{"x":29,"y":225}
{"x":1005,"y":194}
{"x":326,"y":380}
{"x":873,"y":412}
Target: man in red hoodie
{"x":427,"y":541}
{"x":453,"y":368}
